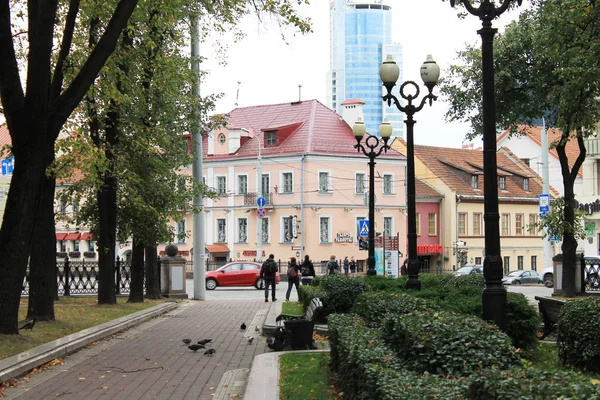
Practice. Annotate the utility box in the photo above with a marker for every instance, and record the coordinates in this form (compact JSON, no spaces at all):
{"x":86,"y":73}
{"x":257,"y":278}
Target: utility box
{"x":172,"y":274}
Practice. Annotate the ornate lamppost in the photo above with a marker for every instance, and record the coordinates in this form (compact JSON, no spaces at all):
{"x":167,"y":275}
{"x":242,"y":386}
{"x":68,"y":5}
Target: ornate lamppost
{"x":494,"y":294}
{"x":430,"y":73}
{"x":372,"y":148}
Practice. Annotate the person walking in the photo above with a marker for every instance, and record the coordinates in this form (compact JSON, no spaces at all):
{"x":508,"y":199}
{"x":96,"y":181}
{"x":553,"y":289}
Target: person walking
{"x":346,"y":265}
{"x":268,"y":272}
{"x":307,"y":270}
{"x":352,"y":265}
{"x":333,"y":268}
{"x":293,"y":274}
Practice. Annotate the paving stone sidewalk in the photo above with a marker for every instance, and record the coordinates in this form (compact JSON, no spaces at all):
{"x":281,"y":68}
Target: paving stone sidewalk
{"x":151,"y":362}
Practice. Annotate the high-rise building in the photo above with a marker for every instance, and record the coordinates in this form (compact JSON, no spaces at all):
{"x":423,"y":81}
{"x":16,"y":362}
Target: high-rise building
{"x":360,"y":40}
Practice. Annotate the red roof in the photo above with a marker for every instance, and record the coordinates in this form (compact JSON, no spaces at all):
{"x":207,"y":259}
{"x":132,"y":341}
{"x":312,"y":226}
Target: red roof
{"x":217,"y":248}
{"x":352,"y":101}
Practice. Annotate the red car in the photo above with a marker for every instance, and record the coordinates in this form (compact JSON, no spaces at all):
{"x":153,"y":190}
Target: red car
{"x":237,"y":273}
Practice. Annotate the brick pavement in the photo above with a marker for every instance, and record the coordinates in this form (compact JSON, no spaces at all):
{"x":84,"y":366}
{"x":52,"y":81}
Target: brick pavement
{"x":151,"y":362}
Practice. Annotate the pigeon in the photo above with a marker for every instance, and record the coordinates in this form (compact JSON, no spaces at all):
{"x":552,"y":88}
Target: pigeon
{"x":256,"y":328}
{"x":29,"y":325}
{"x":243,"y":326}
{"x":195,"y":347}
{"x":204,"y":341}
{"x":250,"y":339}
{"x":210,"y":352}
{"x":187,"y":341}
{"x":269,"y":340}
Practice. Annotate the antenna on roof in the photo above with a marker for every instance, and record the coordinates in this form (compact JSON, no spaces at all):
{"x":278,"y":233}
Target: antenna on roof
{"x":299,"y":93}
{"x":237,"y":96}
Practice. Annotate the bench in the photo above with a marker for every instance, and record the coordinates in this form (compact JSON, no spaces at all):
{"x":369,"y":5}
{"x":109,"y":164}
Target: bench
{"x":296,"y":330}
{"x":549,"y":308}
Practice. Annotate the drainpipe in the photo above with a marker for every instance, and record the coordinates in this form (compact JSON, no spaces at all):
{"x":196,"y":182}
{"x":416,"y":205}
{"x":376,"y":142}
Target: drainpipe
{"x":303,"y":232}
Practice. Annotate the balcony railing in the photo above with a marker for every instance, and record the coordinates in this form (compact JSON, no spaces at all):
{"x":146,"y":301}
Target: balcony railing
{"x":250,"y":198}
{"x":592,"y":147}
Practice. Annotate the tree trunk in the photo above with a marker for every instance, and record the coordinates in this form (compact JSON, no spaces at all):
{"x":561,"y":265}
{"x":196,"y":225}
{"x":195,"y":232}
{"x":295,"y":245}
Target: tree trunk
{"x":42,"y":262}
{"x":107,"y":198}
{"x":136,"y":292}
{"x":152,"y":274}
{"x":569,"y":248}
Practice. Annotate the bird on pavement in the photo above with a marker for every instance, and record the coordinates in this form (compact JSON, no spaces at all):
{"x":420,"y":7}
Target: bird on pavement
{"x":243,"y":326}
{"x":195,"y":347}
{"x":270,"y":340}
{"x":204,"y":341}
{"x":250,"y":339}
{"x":256,"y":328}
{"x":210,"y":352}
{"x":187,"y":341}
{"x":29,"y":325}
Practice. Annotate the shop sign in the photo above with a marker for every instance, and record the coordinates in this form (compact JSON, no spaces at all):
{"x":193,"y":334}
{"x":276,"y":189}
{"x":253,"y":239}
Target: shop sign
{"x":251,"y":253}
{"x":430,"y":249}
{"x":344,"y":237}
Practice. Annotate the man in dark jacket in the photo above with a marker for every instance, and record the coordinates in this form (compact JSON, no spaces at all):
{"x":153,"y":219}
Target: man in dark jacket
{"x":267,"y":273}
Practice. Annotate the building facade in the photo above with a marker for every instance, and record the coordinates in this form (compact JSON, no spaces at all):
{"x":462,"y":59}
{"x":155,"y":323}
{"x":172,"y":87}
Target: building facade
{"x":360,"y":40}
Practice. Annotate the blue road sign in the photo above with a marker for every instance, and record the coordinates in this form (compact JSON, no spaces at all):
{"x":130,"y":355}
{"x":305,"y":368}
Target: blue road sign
{"x":261,"y":202}
{"x":363,"y":227}
{"x":544,"y":203}
{"x":8,"y":165}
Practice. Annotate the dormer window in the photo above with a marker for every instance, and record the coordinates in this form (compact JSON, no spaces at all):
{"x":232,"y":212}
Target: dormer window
{"x":271,"y":138}
{"x":502,"y":182}
{"x":474,"y":181}
{"x":222,"y":138}
{"x":526,"y":184}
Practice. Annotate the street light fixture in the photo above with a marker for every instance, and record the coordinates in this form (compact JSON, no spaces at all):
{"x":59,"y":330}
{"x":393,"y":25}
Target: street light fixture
{"x":372,"y":148}
{"x":494,"y":293}
{"x":430,"y":73}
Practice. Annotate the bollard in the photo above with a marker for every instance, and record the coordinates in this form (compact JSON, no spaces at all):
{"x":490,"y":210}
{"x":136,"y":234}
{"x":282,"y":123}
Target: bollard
{"x":118,"y":271}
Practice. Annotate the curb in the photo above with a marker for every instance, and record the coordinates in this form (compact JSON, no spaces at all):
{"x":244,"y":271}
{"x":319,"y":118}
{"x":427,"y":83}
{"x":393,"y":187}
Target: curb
{"x":17,"y":365}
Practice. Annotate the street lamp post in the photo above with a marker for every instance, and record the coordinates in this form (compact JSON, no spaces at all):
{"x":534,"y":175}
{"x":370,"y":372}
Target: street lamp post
{"x":372,"y":148}
{"x":494,"y":294}
{"x":430,"y":72}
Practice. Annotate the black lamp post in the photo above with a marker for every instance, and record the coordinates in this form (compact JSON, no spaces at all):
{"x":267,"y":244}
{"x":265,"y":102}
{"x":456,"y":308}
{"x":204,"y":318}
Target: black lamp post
{"x":372,"y":148}
{"x":430,"y":72}
{"x":494,"y":294}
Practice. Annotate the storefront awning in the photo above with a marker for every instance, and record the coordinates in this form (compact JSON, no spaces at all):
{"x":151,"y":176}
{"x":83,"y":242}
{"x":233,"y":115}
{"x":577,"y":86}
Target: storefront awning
{"x":72,"y":236}
{"x":60,"y":235}
{"x":86,"y":236}
{"x":217,"y":248}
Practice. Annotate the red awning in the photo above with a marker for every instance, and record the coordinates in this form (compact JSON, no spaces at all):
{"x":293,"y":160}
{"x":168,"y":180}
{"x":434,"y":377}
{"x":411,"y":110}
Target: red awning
{"x":217,"y":248}
{"x":60,"y":236}
{"x":72,"y":236}
{"x":86,"y":236}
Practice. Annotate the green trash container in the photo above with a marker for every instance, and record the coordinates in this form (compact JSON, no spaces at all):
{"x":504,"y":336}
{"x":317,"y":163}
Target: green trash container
{"x":299,"y":333}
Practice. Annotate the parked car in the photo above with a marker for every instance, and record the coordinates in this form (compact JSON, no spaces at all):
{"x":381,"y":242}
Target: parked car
{"x":522,"y":277}
{"x":469,"y":269}
{"x":237,"y":273}
{"x":592,"y":280}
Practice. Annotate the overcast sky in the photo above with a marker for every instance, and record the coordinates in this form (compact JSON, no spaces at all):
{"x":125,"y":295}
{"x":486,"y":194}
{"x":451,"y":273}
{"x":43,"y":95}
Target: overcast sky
{"x":271,"y":70}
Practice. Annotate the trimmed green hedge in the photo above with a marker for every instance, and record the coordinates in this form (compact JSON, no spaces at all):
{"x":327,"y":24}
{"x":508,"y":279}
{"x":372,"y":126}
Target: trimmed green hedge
{"x":342,"y":291}
{"x":578,"y":334}
{"x":375,"y":306}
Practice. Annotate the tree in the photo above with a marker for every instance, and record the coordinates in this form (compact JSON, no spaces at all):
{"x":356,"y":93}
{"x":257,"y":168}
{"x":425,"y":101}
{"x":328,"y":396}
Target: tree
{"x":546,"y":64}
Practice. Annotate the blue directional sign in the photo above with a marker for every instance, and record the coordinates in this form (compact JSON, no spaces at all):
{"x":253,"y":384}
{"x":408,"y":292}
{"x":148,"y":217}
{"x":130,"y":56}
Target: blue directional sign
{"x":363,"y":227}
{"x":261,"y":202}
{"x":544,"y":203}
{"x":8,"y":165}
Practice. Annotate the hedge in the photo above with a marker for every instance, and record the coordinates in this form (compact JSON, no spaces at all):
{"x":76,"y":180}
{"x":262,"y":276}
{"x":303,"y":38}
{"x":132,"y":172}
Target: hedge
{"x":578,"y":330}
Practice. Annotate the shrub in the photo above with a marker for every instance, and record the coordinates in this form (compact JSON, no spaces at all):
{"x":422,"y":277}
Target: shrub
{"x":523,"y":321}
{"x":577,"y":338}
{"x":342,"y":292}
{"x":464,"y":299}
{"x":454,"y":281}
{"x":374,"y":306}
{"x":447,"y":343}
{"x":307,"y":293}
{"x":379,"y":283}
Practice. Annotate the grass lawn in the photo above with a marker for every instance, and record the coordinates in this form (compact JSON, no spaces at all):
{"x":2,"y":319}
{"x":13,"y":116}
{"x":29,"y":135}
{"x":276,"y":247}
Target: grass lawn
{"x":73,"y":314}
{"x":304,"y":376}
{"x":292,"y":307}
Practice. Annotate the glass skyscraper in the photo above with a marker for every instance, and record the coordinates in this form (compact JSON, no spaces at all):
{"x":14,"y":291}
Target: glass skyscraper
{"x":360,"y":40}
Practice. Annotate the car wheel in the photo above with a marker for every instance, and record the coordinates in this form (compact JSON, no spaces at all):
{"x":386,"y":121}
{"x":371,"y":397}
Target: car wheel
{"x":548,"y":281}
{"x":211,"y":284}
{"x":516,"y":282}
{"x":259,"y":284}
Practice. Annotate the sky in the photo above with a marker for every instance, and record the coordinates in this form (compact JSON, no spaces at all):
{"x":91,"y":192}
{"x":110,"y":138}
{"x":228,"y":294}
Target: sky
{"x":270,"y":69}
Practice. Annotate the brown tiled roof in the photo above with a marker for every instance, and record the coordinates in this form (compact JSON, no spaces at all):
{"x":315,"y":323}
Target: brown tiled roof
{"x":424,"y":190}
{"x":534,"y":133}
{"x":4,"y":137}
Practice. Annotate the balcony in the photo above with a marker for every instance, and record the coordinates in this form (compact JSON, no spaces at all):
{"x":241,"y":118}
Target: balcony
{"x":592,"y":147}
{"x":250,"y":198}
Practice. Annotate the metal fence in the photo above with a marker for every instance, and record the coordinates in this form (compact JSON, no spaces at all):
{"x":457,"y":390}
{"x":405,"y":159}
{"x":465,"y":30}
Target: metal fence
{"x":590,"y":275}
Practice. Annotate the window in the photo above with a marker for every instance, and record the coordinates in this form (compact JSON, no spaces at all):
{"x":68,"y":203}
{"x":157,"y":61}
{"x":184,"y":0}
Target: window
{"x":242,"y":184}
{"x":462,"y":223}
{"x":388,"y":184}
{"x":265,"y":230}
{"x":502,"y":182}
{"x":265,"y":184}
{"x":431,"y":224}
{"x":76,"y":245}
{"x":287,"y":230}
{"x":63,"y":245}
{"x":477,"y":224}
{"x":271,"y":138}
{"x":478,"y":260}
{"x":180,"y":233}
{"x":519,"y":262}
{"x":387,"y":226}
{"x":243,"y":230}
{"x":63,"y":207}
{"x":506,"y":265}
{"x":222,"y":138}
{"x":532,"y":224}
{"x":324,"y":229}
{"x":221,"y":230}
{"x":221,"y":184}
{"x":526,"y":184}
{"x":418,"y":223}
{"x":75,"y":211}
{"x":474,"y":181}
{"x":324,"y":186}
{"x":534,"y":263}
{"x":288,"y":184}
{"x":91,"y":245}
{"x":505,"y":224}
{"x":360,"y":183}
{"x":526,"y":161}
{"x":519,"y":224}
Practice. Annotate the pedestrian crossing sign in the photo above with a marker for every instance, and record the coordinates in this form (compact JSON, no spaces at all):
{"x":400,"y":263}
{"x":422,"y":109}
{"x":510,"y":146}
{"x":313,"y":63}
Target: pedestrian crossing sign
{"x":363,"y":227}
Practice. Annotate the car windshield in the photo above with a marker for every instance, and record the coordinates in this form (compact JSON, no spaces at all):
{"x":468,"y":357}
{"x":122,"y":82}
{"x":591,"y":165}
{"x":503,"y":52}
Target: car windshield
{"x":464,"y":270}
{"x":515,"y":273}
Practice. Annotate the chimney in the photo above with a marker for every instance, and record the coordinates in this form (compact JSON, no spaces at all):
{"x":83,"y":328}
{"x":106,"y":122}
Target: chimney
{"x":351,"y":110}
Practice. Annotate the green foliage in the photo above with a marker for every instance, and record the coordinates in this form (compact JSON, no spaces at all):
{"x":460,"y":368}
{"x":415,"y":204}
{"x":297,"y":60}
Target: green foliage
{"x":342,"y":292}
{"x":307,"y":293}
{"x":375,"y":306}
{"x":464,"y":299}
{"x":453,"y":281}
{"x":577,"y":338}
{"x":557,"y":225}
{"x":382,"y":283}
{"x":445,"y":343}
{"x":293,"y":385}
{"x":523,"y":321}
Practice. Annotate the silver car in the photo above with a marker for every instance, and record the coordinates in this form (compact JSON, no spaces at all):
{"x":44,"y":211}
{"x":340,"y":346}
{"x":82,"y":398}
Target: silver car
{"x":469,"y":269}
{"x":522,"y":277}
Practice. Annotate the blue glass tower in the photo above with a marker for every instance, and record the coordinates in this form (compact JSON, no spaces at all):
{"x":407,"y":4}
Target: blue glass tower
{"x":360,"y":40}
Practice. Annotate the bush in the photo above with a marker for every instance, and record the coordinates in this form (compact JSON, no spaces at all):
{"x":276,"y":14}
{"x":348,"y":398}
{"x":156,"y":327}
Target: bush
{"x":307,"y":293}
{"x":454,"y":281}
{"x":375,"y":306}
{"x":577,"y":338}
{"x":523,"y":321}
{"x":464,"y":299}
{"x":448,"y":344}
{"x":379,"y":283}
{"x":342,"y":292}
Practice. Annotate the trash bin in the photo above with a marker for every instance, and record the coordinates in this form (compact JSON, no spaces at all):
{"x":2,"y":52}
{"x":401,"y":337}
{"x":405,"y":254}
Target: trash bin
{"x":299,"y":333}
